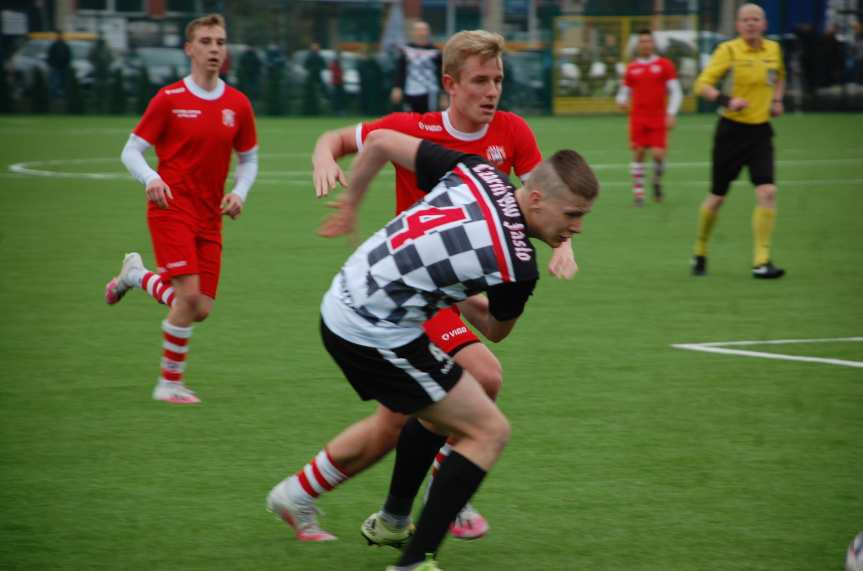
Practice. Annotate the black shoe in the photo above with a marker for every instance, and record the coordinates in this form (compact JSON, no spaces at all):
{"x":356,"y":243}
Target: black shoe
{"x":699,"y":266}
{"x":767,"y":272}
{"x":657,"y":192}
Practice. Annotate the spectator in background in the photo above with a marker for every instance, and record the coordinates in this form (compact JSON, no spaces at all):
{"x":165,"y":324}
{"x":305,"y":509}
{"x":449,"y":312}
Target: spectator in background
{"x":418,"y":72}
{"x":312,"y":88}
{"x":858,"y":53}
{"x":59,"y":60}
{"x":100,"y":57}
{"x":274,"y":55}
{"x":249,"y":74}
{"x":830,"y":57}
{"x":337,"y":79}
{"x":372,"y":95}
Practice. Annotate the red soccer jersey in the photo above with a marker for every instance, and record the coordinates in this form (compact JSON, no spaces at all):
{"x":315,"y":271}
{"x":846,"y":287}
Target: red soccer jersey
{"x":507,"y":142}
{"x":194,"y":138}
{"x":647,"y":80}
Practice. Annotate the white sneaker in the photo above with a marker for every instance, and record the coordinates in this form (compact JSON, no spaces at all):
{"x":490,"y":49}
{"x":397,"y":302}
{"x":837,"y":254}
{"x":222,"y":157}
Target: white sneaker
{"x":122,"y":282}
{"x":379,"y":533}
{"x":175,"y":393}
{"x":303,"y":518}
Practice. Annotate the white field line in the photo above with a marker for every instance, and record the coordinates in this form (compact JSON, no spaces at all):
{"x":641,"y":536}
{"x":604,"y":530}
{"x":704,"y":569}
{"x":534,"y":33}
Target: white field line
{"x":42,"y":169}
{"x":721,"y":347}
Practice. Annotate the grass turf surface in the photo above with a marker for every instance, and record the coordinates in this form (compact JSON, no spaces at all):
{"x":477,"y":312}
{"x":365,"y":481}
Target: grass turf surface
{"x":625,"y":451}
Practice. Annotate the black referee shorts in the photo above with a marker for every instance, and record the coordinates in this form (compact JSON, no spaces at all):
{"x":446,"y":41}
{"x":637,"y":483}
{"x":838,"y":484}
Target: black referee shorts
{"x":404,"y":379}
{"x":737,"y":145}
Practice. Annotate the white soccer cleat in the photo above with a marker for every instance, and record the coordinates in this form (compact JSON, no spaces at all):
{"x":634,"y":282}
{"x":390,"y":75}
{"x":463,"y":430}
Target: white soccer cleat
{"x":120,"y":284}
{"x":303,"y":518}
{"x":379,"y":533}
{"x":468,"y":524}
{"x":174,"y":393}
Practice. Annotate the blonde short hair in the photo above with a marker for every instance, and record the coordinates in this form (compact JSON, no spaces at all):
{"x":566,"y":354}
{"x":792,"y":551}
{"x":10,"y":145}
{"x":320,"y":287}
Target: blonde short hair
{"x":204,"y":21}
{"x":469,"y":43}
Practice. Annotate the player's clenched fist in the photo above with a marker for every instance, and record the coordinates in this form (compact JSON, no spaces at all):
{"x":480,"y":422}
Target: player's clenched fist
{"x":158,"y":192}
{"x":232,"y":205}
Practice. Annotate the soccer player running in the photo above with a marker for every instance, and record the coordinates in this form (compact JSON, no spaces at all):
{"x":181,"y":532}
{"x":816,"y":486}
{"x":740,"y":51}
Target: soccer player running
{"x":194,"y":124}
{"x":743,"y":135}
{"x":468,"y":234}
{"x":473,"y":74}
{"x":647,"y":80}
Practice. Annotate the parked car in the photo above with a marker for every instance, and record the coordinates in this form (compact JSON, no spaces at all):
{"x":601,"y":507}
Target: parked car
{"x":164,"y":65}
{"x":33,"y":55}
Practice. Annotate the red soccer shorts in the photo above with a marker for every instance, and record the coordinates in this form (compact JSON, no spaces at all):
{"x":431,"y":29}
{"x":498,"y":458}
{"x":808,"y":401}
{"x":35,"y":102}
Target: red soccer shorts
{"x":447,"y":330}
{"x":647,"y":132}
{"x":181,"y":250}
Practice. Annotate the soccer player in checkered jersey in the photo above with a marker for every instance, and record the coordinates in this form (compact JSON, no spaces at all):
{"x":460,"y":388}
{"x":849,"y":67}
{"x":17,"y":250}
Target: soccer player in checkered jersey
{"x":651,"y":82}
{"x":469,"y":234}
{"x":473,"y":75}
{"x":194,"y":125}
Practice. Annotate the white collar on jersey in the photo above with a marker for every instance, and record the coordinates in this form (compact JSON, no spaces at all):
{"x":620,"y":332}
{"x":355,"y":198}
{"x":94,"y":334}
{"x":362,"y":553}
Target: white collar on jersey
{"x":199,"y":91}
{"x":650,"y":59}
{"x":475,"y":136}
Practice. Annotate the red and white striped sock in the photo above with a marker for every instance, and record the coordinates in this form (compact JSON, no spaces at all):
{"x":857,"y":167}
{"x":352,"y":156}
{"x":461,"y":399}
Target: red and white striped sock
{"x":439,"y":458}
{"x":319,"y":476}
{"x":637,"y":172}
{"x":175,"y":346}
{"x":159,"y":288}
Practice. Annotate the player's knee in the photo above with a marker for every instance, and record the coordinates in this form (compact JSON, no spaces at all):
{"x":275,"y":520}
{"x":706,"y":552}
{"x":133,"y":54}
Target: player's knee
{"x":201,"y":306}
{"x":388,"y":433}
{"x":497,"y":431}
{"x":766,"y":195}
{"x":489,"y":375}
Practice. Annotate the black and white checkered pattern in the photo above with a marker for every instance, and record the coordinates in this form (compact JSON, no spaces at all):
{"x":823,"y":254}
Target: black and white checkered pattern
{"x":421,"y":69}
{"x":402,"y":286}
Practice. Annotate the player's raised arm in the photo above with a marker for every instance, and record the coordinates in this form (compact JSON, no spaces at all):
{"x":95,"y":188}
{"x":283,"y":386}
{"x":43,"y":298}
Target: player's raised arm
{"x":381,"y":146}
{"x":329,"y":147}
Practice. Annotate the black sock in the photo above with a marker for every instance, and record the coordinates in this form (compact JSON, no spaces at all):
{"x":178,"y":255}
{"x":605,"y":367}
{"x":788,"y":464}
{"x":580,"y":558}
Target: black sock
{"x":415,"y":453}
{"x":456,"y":481}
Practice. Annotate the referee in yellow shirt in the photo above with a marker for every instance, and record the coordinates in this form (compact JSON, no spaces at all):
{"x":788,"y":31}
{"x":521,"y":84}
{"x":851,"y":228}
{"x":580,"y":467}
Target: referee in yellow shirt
{"x":753,"y":67}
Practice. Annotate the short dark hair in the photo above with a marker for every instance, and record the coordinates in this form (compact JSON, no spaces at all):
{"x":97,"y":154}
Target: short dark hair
{"x":565,"y":171}
{"x":645,"y":32}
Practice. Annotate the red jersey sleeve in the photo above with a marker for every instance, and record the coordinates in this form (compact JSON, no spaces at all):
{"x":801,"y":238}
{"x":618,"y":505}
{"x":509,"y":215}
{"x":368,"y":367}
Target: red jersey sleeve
{"x":401,"y":122}
{"x":670,"y":71}
{"x":247,"y":135}
{"x":527,"y":155}
{"x":627,"y":76}
{"x":155,"y":119}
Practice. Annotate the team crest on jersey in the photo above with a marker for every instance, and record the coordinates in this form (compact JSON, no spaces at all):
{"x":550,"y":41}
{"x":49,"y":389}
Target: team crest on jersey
{"x":495,"y":154}
{"x":228,"y":117}
{"x":655,"y":68}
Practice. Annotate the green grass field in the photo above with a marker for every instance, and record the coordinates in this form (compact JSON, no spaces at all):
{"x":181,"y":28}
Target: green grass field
{"x":626,"y":453}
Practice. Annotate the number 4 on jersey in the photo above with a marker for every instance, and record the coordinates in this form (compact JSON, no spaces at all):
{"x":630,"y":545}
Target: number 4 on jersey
{"x":418,"y":223}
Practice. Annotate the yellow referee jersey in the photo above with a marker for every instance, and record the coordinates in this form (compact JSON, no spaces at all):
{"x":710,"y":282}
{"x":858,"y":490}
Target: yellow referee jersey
{"x":752,"y":74}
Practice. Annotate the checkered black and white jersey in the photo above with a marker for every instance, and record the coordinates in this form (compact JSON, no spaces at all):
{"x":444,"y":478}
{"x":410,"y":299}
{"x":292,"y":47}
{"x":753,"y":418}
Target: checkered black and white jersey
{"x":466,"y":236}
{"x":418,"y":69}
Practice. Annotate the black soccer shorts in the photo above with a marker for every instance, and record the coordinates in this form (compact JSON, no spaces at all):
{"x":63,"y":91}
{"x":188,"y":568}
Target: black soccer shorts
{"x":404,"y":379}
{"x":737,"y":145}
